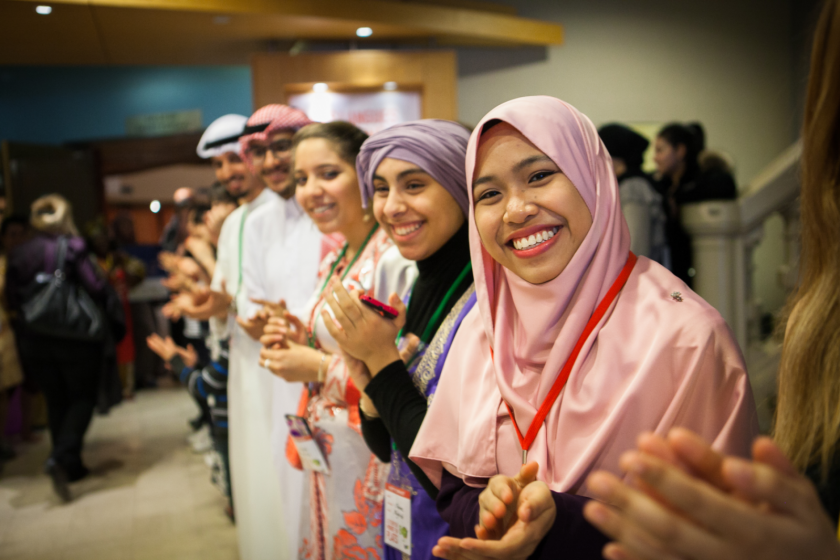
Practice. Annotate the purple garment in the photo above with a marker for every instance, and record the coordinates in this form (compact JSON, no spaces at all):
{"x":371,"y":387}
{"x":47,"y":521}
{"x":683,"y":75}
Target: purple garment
{"x":436,"y":146}
{"x":38,"y":255}
{"x":427,"y":526}
{"x":571,"y":536}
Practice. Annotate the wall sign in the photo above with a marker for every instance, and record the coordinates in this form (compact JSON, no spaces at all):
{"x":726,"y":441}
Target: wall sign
{"x":163,"y":124}
{"x":371,"y":112}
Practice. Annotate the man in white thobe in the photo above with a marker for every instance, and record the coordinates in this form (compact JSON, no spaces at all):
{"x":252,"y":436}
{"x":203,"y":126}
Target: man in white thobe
{"x":281,"y":255}
{"x":257,"y":532}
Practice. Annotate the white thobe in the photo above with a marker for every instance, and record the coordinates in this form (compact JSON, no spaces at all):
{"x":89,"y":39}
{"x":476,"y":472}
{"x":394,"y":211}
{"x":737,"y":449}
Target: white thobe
{"x":259,"y":535}
{"x":281,"y":255}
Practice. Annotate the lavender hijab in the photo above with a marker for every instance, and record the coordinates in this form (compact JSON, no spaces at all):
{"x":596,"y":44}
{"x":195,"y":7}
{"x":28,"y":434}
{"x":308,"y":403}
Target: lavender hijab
{"x":435,"y":146}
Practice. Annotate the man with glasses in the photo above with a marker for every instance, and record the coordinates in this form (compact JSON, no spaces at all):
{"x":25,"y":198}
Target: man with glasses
{"x":281,"y":255}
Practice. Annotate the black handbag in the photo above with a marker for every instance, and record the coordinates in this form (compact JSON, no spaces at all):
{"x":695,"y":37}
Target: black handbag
{"x":56,"y":306}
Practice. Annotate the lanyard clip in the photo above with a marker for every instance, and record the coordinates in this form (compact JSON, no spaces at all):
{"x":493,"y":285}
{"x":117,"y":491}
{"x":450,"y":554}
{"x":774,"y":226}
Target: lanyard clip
{"x":524,"y":456}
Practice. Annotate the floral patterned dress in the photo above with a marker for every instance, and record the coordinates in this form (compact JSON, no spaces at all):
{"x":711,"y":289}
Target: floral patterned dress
{"x":344,"y":507}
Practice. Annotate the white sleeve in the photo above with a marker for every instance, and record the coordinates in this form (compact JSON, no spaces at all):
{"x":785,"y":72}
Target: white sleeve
{"x":394,"y":274}
{"x":253,"y":264}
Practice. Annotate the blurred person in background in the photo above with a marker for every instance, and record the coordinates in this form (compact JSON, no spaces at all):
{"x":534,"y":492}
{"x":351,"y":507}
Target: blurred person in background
{"x":176,"y":230}
{"x":67,"y":370}
{"x":198,"y":263}
{"x":222,"y":203}
{"x":13,"y":231}
{"x":685,"y":178}
{"x":641,"y":204}
{"x":124,"y":272}
{"x":192,"y":272}
{"x":33,"y":406}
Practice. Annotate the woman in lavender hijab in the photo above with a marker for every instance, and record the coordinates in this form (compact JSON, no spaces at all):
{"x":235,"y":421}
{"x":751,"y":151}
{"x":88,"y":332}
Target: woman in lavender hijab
{"x":413,"y":174}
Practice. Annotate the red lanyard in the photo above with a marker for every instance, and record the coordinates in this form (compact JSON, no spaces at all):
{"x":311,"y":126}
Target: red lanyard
{"x":560,"y":382}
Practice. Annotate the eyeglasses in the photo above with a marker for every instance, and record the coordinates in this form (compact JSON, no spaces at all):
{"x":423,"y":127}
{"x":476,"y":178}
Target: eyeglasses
{"x":257,"y":153}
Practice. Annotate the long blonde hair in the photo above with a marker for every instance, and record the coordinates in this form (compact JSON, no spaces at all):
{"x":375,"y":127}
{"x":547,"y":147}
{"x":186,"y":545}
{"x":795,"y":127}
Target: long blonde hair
{"x":808,"y":414}
{"x":53,"y":214}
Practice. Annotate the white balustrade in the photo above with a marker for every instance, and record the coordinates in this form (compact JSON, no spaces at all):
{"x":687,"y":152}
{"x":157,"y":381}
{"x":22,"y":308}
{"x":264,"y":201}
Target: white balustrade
{"x":724,"y":235}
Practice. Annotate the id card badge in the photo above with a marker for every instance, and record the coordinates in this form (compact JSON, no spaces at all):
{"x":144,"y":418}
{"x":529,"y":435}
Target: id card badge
{"x":311,"y":456}
{"x":398,"y":518}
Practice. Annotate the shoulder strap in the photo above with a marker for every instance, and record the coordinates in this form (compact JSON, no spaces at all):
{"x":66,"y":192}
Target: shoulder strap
{"x":61,"y":253}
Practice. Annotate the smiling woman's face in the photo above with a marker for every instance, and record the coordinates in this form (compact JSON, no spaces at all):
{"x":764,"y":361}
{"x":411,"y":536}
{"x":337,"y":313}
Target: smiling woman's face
{"x":417,"y":212}
{"x":327,"y":187}
{"x":529,"y":215}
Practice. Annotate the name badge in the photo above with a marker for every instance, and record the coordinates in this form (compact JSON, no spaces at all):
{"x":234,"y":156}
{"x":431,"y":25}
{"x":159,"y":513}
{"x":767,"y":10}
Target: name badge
{"x":398,"y":518}
{"x":311,"y":456}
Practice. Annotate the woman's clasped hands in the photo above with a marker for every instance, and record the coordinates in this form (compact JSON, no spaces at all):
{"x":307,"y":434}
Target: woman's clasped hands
{"x":515,"y":515}
{"x":688,"y":501}
{"x":285,"y":352}
{"x":360,"y":331}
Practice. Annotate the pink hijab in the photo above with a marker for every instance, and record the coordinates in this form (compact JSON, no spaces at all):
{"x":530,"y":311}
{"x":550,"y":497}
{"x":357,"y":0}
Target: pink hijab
{"x":657,"y":359}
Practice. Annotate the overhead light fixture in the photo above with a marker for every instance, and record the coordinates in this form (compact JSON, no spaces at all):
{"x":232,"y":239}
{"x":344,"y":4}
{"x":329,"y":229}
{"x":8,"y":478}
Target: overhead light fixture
{"x":390,"y":86}
{"x":320,"y":87}
{"x":155,"y":206}
{"x":43,"y":10}
{"x":364,"y":32}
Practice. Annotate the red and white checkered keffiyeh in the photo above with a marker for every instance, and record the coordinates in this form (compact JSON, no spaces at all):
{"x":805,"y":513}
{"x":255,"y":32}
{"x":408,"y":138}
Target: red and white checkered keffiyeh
{"x":278,"y":117}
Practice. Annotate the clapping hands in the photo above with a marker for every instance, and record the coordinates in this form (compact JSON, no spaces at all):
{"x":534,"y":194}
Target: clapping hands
{"x":167,"y":350}
{"x":515,"y":515}
{"x":688,"y":501}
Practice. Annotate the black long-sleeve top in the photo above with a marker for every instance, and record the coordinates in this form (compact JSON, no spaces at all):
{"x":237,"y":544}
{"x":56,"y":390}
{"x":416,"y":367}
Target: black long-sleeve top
{"x":401,"y":406}
{"x":402,"y":409}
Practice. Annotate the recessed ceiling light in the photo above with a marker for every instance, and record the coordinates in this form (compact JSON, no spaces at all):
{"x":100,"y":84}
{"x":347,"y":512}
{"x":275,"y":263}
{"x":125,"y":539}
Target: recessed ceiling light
{"x":390,"y":86}
{"x":364,"y":32}
{"x":43,"y":10}
{"x":155,"y":206}
{"x":320,"y":87}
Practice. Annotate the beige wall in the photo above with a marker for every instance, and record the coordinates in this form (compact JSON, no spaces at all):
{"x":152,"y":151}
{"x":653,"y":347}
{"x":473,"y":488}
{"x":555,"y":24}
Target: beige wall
{"x":727,"y":64}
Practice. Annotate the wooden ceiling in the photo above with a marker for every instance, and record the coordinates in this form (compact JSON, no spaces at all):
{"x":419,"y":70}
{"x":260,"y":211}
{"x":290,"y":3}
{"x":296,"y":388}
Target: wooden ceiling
{"x":229,"y":31}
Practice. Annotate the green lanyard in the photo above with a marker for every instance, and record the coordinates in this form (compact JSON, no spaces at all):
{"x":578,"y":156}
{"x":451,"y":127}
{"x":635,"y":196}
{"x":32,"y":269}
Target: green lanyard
{"x":432,"y":325}
{"x":343,"y":274}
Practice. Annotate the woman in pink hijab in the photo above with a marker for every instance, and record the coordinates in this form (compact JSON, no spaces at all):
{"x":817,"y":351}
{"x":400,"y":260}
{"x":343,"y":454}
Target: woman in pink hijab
{"x":575,"y":347}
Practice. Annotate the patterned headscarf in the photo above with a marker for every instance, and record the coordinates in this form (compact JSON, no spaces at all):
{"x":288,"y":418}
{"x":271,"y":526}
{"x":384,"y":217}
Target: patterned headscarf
{"x":270,"y":119}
